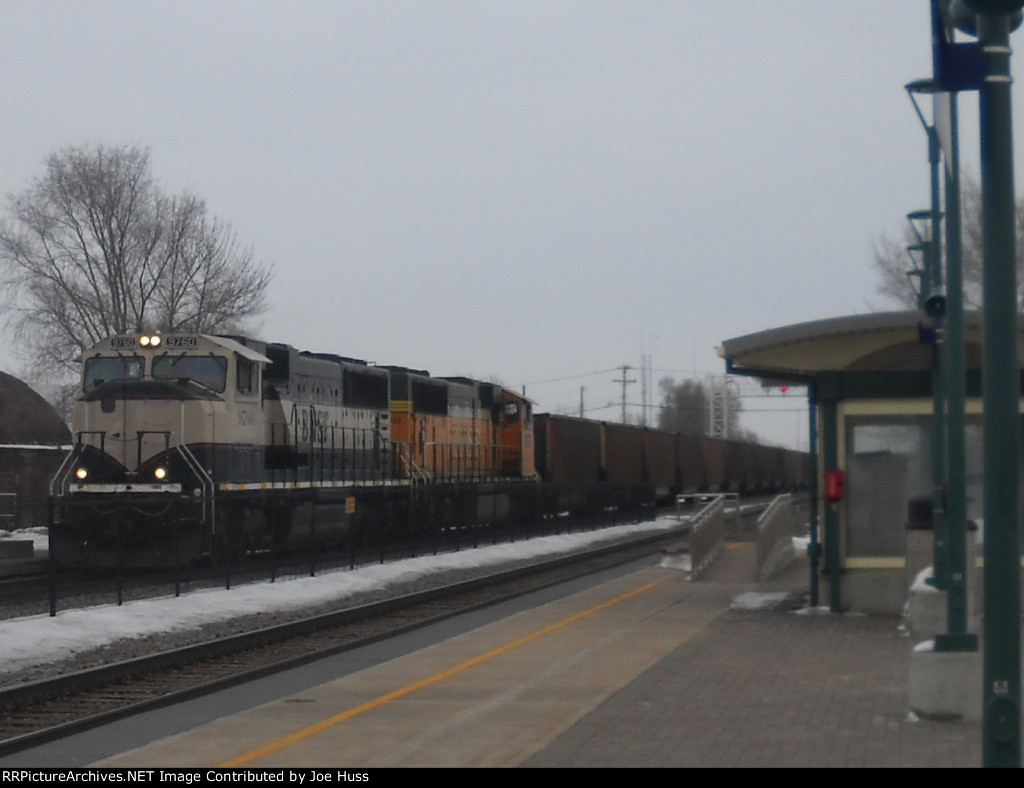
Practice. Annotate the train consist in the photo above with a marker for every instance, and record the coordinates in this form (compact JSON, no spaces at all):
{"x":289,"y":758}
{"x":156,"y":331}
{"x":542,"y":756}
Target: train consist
{"x":188,"y":445}
{"x":580,"y":451}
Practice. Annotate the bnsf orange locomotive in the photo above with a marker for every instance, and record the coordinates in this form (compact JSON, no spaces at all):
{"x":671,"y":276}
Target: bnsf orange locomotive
{"x":189,"y":444}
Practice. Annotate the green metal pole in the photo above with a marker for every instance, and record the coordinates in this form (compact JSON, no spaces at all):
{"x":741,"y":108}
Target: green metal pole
{"x":828,"y":396}
{"x":1001,"y":693}
{"x":939,"y":521}
{"x":957,"y":619}
{"x":814,"y":548}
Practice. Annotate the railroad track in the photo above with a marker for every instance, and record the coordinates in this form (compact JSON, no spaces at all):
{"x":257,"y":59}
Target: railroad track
{"x":34,"y":713}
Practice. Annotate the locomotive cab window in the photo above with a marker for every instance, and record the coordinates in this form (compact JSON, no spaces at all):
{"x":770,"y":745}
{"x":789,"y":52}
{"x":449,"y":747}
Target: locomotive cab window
{"x":101,"y":369}
{"x":246,"y":376}
{"x":208,"y":371}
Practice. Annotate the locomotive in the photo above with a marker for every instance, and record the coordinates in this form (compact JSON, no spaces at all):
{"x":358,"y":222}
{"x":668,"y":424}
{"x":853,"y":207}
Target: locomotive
{"x":192,"y":445}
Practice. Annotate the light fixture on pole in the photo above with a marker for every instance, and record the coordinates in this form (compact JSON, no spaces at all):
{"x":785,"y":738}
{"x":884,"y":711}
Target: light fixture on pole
{"x":933,"y":301}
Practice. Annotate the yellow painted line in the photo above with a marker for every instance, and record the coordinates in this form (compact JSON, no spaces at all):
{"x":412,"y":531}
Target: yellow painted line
{"x":415,"y":686}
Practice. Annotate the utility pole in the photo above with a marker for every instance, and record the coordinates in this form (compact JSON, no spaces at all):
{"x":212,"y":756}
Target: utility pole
{"x":624,"y":381}
{"x":645,"y":385}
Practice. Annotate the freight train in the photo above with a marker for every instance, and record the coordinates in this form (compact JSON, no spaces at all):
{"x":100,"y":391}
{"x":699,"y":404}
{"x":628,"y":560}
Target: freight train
{"x":191,"y":445}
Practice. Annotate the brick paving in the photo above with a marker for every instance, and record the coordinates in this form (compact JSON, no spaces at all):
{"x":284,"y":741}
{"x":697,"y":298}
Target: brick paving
{"x":770,"y":688}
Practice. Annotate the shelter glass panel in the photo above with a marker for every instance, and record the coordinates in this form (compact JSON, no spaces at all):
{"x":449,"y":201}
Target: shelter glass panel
{"x":889,"y":461}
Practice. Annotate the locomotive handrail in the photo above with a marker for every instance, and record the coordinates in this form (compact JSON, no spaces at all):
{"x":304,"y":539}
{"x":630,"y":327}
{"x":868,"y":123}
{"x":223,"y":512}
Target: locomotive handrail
{"x":466,"y":461}
{"x":57,"y":482}
{"x":58,"y":486}
{"x":193,"y":465}
{"x":331,"y":451}
{"x":414,"y":471}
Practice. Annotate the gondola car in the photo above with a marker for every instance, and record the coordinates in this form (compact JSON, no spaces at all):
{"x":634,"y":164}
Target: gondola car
{"x":576,"y":451}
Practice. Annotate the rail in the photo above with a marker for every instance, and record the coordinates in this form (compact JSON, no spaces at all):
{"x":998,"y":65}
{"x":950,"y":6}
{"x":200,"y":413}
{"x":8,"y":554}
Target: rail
{"x":80,"y":700}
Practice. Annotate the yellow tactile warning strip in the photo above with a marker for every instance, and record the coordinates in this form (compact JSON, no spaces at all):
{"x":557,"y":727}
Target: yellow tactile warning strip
{"x":489,"y":696}
{"x":415,"y":686}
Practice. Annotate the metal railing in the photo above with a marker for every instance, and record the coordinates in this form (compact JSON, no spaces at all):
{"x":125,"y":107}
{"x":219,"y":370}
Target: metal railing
{"x":707,"y":535}
{"x":776,"y":528}
{"x":391,"y":523}
{"x":8,"y":510}
{"x":367,"y":455}
{"x":60,"y":485}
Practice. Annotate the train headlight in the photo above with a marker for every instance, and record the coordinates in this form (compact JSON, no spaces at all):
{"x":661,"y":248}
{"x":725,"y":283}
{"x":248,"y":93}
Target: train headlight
{"x":81,"y":474}
{"x":153,"y":341}
{"x":160,"y":473}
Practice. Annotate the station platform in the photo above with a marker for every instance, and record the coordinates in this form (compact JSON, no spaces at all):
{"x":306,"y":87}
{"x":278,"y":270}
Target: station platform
{"x":645,"y":669}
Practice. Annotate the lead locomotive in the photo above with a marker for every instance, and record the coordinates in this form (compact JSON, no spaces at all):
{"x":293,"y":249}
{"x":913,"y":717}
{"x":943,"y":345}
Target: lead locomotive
{"x":191,"y":444}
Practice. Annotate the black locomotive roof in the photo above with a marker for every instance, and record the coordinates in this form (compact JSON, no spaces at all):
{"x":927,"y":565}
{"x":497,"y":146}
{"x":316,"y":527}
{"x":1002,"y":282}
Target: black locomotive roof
{"x":334,"y":357}
{"x":399,"y":370}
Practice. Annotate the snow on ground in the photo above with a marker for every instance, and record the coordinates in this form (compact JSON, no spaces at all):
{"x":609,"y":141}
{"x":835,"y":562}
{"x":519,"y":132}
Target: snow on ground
{"x":758,"y":600}
{"x":33,"y":640}
{"x":36,"y":535}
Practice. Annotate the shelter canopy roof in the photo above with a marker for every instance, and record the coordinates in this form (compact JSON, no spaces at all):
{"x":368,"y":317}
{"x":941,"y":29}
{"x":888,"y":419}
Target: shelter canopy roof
{"x":874,"y":342}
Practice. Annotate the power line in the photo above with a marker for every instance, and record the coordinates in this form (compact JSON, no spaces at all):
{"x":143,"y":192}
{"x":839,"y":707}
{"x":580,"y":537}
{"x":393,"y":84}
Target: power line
{"x":574,"y":377}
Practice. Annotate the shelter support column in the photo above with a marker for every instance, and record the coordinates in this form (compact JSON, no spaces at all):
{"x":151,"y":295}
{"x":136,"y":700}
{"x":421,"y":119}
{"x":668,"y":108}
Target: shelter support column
{"x":828,"y":427}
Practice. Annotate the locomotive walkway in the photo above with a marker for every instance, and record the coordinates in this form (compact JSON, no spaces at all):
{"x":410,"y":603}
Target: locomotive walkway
{"x":681,"y":676}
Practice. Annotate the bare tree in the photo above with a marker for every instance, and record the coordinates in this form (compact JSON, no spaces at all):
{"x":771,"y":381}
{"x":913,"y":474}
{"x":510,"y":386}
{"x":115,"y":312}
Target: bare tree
{"x":894,"y":264}
{"x":93,"y":247}
{"x":893,"y":261}
{"x":684,"y":406}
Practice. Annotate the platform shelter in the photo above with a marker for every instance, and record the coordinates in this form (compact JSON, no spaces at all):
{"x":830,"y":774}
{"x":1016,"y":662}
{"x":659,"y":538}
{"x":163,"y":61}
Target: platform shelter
{"x":869,"y":379}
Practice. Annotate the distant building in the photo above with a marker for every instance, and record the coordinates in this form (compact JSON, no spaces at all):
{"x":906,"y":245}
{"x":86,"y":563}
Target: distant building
{"x":33,"y":443}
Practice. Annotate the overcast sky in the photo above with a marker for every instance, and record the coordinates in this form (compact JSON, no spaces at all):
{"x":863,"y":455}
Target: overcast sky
{"x":531,"y":191}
